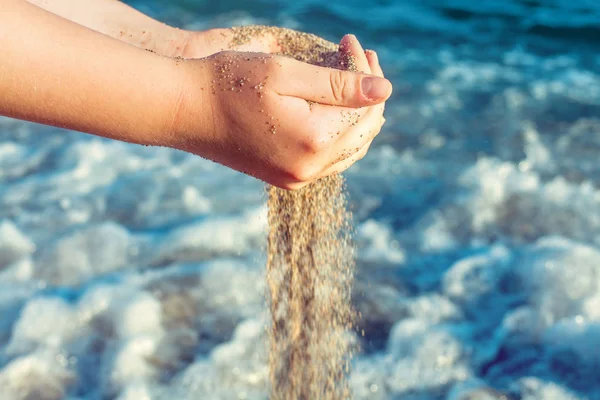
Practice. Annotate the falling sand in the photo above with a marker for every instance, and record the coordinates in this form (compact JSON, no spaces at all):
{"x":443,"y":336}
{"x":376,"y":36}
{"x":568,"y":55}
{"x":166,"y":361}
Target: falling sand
{"x":310,"y":262}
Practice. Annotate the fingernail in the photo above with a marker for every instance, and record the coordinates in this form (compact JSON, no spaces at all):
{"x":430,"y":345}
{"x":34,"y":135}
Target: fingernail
{"x":372,"y":54}
{"x":375,"y":88}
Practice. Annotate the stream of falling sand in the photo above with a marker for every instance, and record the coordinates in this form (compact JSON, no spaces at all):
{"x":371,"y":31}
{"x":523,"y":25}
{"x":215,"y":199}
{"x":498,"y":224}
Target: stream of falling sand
{"x":310,"y":263}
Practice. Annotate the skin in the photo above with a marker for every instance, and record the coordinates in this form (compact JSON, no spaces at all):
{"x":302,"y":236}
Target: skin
{"x":286,"y":142}
{"x":61,"y":73}
{"x":118,"y":20}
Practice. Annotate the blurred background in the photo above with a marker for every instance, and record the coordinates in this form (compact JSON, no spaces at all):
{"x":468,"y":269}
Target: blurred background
{"x":136,"y":273}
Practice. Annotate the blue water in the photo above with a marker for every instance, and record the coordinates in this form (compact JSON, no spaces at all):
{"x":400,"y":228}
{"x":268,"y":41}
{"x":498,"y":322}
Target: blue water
{"x":136,"y":273}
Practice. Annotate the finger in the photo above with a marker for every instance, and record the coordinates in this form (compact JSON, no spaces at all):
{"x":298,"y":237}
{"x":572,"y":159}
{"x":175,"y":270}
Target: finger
{"x":343,"y":165}
{"x":342,"y":119}
{"x":330,"y":86}
{"x":355,"y":138}
{"x":350,"y":47}
{"x":361,"y":132}
{"x":374,"y":63}
{"x":328,"y":145}
{"x":332,"y":121}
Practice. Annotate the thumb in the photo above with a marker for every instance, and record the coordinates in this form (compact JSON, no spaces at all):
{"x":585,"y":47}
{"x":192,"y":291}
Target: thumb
{"x":332,"y":86}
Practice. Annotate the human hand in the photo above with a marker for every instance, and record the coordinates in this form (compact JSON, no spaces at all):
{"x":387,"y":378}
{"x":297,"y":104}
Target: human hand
{"x":256,"y":116}
{"x":200,"y":44}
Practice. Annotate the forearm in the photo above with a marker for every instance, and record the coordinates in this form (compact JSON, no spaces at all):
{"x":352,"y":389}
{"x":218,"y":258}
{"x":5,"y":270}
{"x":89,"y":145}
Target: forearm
{"x":56,"y":72}
{"x":118,"y":20}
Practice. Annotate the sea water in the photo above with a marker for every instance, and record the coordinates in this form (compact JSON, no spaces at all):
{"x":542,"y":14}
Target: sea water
{"x":138,"y":273}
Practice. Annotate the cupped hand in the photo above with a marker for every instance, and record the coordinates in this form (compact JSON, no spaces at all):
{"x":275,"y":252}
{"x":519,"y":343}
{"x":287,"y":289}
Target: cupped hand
{"x":280,"y":120}
{"x":200,"y":44}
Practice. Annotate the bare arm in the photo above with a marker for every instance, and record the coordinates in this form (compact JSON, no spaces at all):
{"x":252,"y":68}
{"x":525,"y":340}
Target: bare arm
{"x":56,"y":72}
{"x":118,"y":20}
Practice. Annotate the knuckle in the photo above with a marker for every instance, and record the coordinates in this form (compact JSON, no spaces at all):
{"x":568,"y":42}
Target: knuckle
{"x":273,"y":65}
{"x":301,"y":173}
{"x":340,"y":87}
{"x":314,"y":145}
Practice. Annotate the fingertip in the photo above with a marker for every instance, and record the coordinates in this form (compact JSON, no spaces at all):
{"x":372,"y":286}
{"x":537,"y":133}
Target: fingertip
{"x":373,"y":60}
{"x":372,"y":55}
{"x":376,"y":89}
{"x":348,"y":37}
{"x":350,"y":46}
{"x":346,"y":42}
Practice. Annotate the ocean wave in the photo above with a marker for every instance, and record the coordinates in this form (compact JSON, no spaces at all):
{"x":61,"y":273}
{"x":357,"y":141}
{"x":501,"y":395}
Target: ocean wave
{"x":129,"y":272}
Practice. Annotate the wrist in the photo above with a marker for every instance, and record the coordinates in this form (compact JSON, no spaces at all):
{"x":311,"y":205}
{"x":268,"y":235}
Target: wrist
{"x":161,"y":39}
{"x":200,"y":44}
{"x":192,"y":120}
{"x":185,"y":40}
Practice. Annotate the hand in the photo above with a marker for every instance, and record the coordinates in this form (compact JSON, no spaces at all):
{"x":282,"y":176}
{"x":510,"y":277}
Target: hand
{"x":256,"y":118}
{"x":200,"y":44}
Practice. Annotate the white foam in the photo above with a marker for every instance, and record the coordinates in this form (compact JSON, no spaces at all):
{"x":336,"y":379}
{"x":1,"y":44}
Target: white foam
{"x":537,"y":389}
{"x":436,"y":234}
{"x":45,"y":322}
{"x":434,"y":308}
{"x":138,"y":391}
{"x":235,"y":370}
{"x":14,"y":245}
{"x":236,"y":235}
{"x":560,"y":275}
{"x":233,"y":285}
{"x":472,"y":389}
{"x":139,"y":315}
{"x":19,"y":271}
{"x":377,"y":244}
{"x":367,"y":380}
{"x":475,"y":275}
{"x":481,"y":189}
{"x":35,"y":376}
{"x":131,"y":361}
{"x":86,"y":253}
